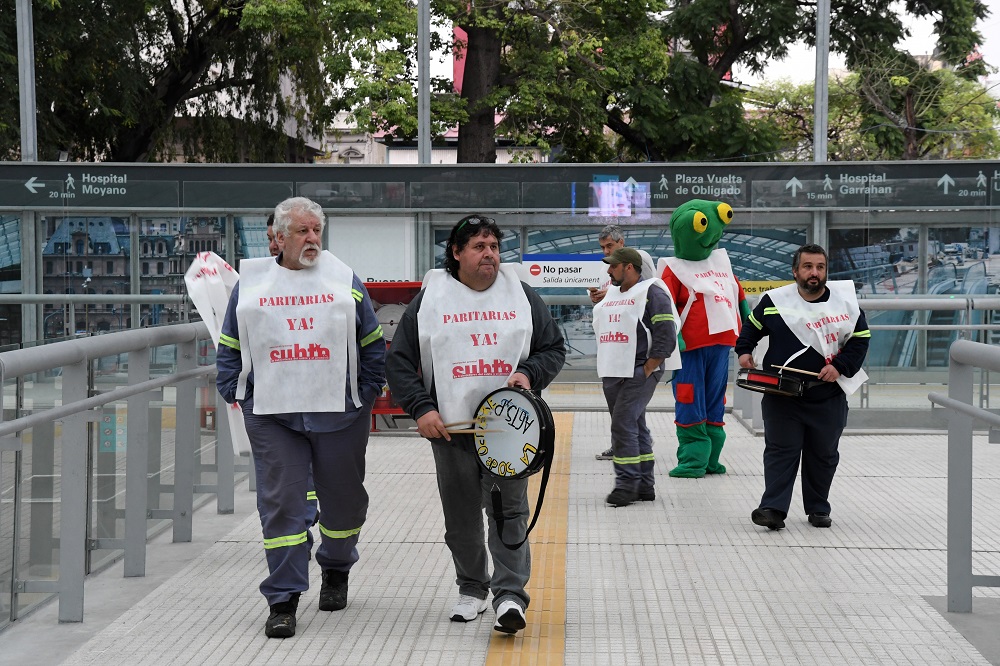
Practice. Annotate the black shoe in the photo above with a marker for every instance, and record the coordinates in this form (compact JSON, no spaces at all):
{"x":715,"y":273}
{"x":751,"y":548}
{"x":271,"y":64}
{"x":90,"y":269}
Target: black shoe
{"x":621,"y":497}
{"x":647,"y":495}
{"x":333,"y":593}
{"x":281,"y":622}
{"x":607,"y":454}
{"x":769,"y":518}
{"x":820,"y":520}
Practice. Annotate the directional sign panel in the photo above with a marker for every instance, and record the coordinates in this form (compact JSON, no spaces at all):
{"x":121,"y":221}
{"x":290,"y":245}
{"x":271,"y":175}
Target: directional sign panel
{"x":828,"y":192}
{"x":233,"y":194}
{"x":339,"y":194}
{"x":942,"y":191}
{"x":471,"y":196}
{"x":714,"y":185}
{"x":16,"y":192}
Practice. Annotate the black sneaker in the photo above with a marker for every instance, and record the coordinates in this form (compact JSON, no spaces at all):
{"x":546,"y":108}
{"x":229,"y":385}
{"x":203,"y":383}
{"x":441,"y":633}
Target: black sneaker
{"x":281,"y":622}
{"x":647,"y":495}
{"x":333,"y":593}
{"x":605,"y":455}
{"x":820,"y":519}
{"x":621,"y":497}
{"x":769,"y":518}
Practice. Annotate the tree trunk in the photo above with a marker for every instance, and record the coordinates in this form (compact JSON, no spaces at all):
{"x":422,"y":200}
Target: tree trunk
{"x":181,"y":74}
{"x":477,"y":140}
{"x":911,"y":145}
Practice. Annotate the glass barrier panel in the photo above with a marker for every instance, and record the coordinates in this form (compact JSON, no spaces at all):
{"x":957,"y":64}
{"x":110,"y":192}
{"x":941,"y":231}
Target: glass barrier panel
{"x":8,"y":510}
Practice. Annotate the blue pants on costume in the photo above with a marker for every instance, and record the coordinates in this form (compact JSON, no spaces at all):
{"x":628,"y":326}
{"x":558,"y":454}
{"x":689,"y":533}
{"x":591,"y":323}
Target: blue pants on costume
{"x":806,"y":429}
{"x":700,"y":386}
{"x":337,"y":460}
{"x":631,"y":442}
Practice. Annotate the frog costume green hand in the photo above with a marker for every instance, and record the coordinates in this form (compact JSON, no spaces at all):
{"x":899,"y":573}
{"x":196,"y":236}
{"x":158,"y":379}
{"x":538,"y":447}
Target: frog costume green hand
{"x":712,"y":306}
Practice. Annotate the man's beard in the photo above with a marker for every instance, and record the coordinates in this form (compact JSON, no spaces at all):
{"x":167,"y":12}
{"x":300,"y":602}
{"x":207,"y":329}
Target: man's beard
{"x":817,"y":288}
{"x":616,"y":283}
{"x":306,"y":261}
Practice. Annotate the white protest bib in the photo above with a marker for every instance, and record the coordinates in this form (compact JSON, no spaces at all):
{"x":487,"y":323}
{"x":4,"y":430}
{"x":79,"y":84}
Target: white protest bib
{"x":713,"y":279}
{"x":210,"y":281}
{"x":298,"y":333}
{"x":616,"y":320}
{"x":825,"y":327}
{"x":471,"y":341}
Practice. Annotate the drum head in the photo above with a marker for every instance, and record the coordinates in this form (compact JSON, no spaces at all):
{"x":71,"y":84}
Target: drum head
{"x":388,"y":317}
{"x":518,"y":433}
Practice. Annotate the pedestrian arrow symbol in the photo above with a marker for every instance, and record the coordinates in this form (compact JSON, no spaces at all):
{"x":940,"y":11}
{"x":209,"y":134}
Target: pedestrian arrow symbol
{"x":945,"y":180}
{"x":795,"y":184}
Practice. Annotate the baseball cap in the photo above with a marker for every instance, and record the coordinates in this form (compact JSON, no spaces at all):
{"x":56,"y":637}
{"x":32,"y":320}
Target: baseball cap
{"x":624,"y":255}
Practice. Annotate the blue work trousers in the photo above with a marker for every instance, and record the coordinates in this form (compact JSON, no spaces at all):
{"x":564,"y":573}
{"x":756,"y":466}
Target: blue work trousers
{"x":337,"y":460}
{"x":631,"y":441}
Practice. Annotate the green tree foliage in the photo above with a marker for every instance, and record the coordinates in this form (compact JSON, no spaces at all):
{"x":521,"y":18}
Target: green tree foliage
{"x":627,"y":80}
{"x":883,"y":114}
{"x":136,"y":80}
{"x":653,"y":72}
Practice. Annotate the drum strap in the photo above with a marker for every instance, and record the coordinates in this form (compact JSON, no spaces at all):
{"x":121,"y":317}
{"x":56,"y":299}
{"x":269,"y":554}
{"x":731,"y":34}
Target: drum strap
{"x":498,"y":505}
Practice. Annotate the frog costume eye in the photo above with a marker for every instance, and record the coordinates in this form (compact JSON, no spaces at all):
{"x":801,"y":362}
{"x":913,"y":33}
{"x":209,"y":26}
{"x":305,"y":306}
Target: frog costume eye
{"x":725,"y":213}
{"x":700,"y":222}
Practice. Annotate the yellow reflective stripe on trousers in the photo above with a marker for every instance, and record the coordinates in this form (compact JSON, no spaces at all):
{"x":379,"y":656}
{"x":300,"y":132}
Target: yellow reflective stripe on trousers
{"x":646,"y":457}
{"x":311,"y":495}
{"x":633,"y":460}
{"x":285,"y":541}
{"x":338,"y":534}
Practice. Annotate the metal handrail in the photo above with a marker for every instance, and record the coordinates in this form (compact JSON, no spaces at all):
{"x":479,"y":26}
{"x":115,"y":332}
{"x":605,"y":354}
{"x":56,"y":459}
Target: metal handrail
{"x":965,"y":357}
{"x":75,"y":412}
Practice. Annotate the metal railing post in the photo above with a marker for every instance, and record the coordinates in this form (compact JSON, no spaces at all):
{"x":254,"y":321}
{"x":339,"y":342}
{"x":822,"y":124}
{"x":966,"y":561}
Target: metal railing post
{"x":960,"y":388}
{"x":187,"y":435}
{"x":225,"y":458}
{"x":136,"y":465}
{"x":73,"y":499}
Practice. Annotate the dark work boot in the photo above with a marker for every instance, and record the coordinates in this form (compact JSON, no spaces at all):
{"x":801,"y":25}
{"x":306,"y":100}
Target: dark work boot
{"x":333,"y":593}
{"x":281,"y":622}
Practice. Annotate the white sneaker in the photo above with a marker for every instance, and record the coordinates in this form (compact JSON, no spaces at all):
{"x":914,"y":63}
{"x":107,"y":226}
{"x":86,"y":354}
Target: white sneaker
{"x":468,"y":608}
{"x":510,"y":617}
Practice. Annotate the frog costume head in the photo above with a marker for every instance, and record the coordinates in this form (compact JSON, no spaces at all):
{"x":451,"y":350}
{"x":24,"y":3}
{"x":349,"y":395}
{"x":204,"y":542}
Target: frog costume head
{"x":697,"y":226}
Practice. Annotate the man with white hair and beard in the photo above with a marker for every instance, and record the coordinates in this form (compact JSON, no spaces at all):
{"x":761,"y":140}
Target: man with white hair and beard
{"x":302,"y":352}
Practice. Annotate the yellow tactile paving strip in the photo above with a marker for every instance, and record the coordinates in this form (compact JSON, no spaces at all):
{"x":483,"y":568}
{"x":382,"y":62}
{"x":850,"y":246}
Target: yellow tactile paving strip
{"x":543,"y":641}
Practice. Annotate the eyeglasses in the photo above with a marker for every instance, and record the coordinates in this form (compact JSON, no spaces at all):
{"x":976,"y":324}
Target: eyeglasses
{"x":475,"y":221}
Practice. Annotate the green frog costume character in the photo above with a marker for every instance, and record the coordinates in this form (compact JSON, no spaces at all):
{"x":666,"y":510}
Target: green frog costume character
{"x":712,"y":306}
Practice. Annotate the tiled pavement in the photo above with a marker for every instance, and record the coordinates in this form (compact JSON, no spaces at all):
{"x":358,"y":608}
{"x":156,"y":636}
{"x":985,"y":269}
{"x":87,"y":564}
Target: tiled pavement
{"x":686,"y":579}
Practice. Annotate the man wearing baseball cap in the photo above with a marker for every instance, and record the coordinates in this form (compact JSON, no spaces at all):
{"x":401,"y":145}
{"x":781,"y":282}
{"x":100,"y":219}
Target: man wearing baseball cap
{"x":636,"y":330}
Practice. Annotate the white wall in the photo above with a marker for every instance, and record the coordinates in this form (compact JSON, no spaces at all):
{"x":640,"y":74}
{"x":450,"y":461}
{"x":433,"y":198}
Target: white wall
{"x":377,"y":248}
